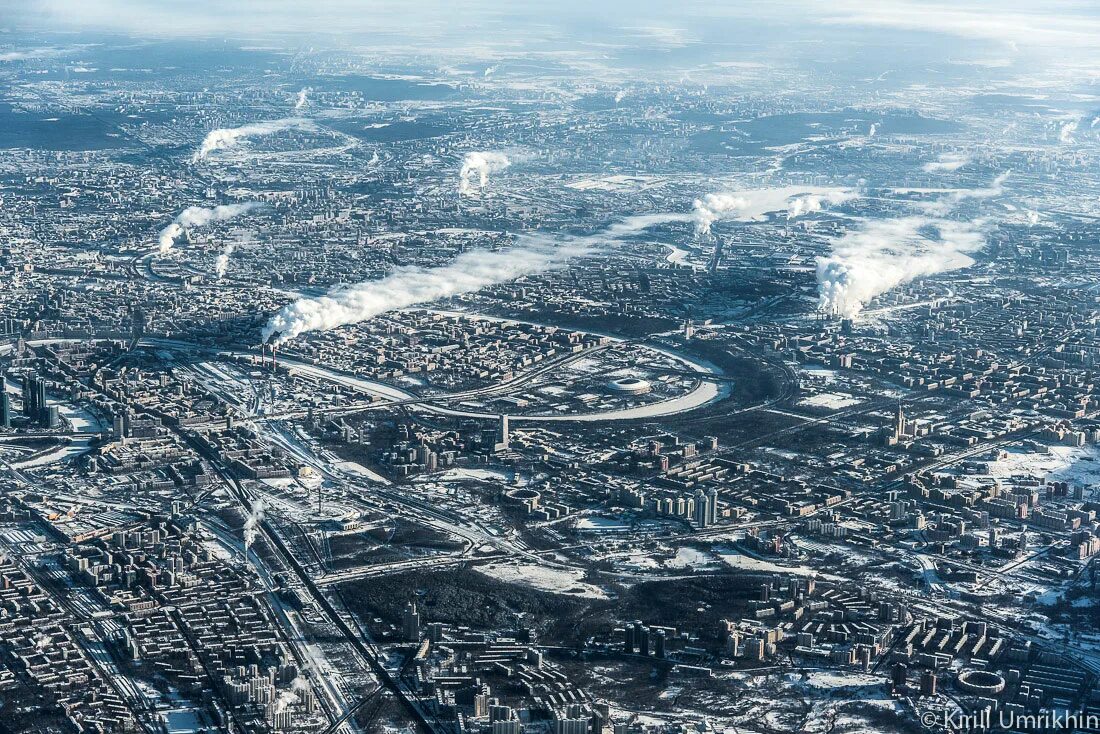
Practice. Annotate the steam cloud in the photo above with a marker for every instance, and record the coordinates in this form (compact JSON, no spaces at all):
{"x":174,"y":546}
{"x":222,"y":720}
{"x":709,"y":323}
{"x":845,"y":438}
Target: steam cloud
{"x":301,"y":100}
{"x":947,"y":162}
{"x":285,"y":700}
{"x":1065,"y":134}
{"x":873,"y":130}
{"x":887,"y":253}
{"x":229,"y":137}
{"x":479,"y":164}
{"x":946,"y":204}
{"x":198,"y":216}
{"x":222,"y":263}
{"x":471,"y":271}
{"x":753,"y":204}
{"x":255,"y":517}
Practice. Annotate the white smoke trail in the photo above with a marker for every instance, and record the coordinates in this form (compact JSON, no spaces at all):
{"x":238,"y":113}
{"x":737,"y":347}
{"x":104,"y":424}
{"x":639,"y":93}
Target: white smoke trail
{"x":886,"y":253}
{"x":479,"y":164}
{"x":942,"y":206}
{"x":753,"y":204}
{"x":471,"y":271}
{"x":947,"y":162}
{"x":873,"y":130}
{"x":811,"y":203}
{"x":199,"y":216}
{"x":255,"y":517}
{"x":221,"y":265}
{"x":1065,"y":134}
{"x":620,"y":96}
{"x":1032,"y":218}
{"x":228,"y":137}
{"x":1095,"y":122}
{"x":302,"y":98}
{"x":285,"y":700}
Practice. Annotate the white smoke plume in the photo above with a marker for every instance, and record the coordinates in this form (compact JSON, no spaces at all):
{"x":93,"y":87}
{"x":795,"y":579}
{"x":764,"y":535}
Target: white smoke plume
{"x":947,"y":162}
{"x":1095,"y":122}
{"x":471,"y":271}
{"x":479,"y":165}
{"x":221,"y":265}
{"x":620,"y":96}
{"x":753,"y":204}
{"x":884,"y":254}
{"x":285,"y":700}
{"x":941,"y":207}
{"x":302,"y":98}
{"x":811,"y":203}
{"x":200,"y":216}
{"x":255,"y":517}
{"x":1065,"y":134}
{"x":873,"y":130}
{"x":1032,"y":218}
{"x":229,"y":137}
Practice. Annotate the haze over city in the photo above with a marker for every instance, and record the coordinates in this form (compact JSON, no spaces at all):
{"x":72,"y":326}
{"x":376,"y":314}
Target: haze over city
{"x":497,"y":368}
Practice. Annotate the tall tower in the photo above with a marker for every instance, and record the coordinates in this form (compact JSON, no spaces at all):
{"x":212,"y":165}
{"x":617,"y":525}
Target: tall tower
{"x":5,"y":407}
{"x":410,"y":622}
{"x":899,"y":428}
{"x":41,"y":408}
{"x":502,"y":434}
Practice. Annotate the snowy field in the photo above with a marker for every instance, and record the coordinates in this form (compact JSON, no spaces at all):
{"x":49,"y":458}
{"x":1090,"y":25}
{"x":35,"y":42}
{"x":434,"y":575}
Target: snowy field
{"x":543,"y":578}
{"x":831,"y":400}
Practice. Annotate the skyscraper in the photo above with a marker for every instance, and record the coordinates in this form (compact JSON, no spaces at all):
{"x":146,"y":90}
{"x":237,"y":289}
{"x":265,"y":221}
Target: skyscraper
{"x":410,"y":622}
{"x":5,"y":407}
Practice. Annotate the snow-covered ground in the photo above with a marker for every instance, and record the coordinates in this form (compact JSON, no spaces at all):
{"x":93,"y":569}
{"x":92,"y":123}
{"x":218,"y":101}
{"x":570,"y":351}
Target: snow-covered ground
{"x":1076,"y":465}
{"x":832,"y":400}
{"x":558,"y":581}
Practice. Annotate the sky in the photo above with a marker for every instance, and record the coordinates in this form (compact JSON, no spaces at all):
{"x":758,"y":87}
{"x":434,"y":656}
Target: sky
{"x":1055,"y":26}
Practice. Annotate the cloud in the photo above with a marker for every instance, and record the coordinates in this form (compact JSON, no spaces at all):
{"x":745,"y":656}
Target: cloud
{"x":476,"y":167}
{"x":198,"y":216}
{"x":469,"y":272}
{"x":884,"y":254}
{"x":753,"y":204}
{"x":1051,"y":26}
{"x":229,"y":137}
{"x":302,"y":98}
{"x":947,"y":162}
{"x":944,"y":205}
{"x":1065,"y":133}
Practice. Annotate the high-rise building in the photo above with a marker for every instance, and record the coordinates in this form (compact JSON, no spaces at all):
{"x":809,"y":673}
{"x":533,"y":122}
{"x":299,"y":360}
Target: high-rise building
{"x":410,"y":623}
{"x":5,"y":407}
{"x":702,"y":509}
{"x":503,"y":436}
{"x":28,"y":397}
{"x":897,"y":676}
